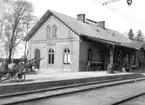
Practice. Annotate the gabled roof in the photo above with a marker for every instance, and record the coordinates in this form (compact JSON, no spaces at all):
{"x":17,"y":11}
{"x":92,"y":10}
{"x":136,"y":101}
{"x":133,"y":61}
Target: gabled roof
{"x":37,"y":26}
{"x":135,"y":45}
{"x":88,"y":30}
{"x":81,"y":28}
{"x":119,"y":36}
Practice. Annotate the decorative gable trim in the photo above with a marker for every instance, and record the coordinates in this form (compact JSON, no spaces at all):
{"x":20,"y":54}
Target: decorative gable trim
{"x":41,"y":22}
{"x":66,"y":26}
{"x":41,"y":27}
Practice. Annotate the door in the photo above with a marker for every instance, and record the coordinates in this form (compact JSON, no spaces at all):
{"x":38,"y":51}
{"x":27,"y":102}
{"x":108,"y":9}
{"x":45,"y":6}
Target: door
{"x":37,"y":57}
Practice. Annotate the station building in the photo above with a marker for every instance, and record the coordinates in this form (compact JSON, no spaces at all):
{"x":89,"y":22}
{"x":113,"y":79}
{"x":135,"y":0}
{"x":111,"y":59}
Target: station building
{"x":81,"y":44}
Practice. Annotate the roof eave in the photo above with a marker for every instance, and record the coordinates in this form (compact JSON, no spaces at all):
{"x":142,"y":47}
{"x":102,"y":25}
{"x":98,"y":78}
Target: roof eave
{"x":101,"y":40}
{"x":41,"y":21}
{"x":37,"y":26}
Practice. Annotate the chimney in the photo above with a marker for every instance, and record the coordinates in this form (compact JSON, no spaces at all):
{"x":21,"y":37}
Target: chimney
{"x":101,"y":24}
{"x":81,"y":17}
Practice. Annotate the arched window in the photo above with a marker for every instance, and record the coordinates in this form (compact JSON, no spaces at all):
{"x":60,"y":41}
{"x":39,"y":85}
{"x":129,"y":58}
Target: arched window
{"x":48,"y":32}
{"x":66,"y":56}
{"x":50,"y":56}
{"x":90,"y":55}
{"x":54,"y":31}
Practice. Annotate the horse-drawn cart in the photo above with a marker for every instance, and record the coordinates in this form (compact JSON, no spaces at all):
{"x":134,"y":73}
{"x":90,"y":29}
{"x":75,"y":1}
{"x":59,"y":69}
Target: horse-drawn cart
{"x":18,"y":71}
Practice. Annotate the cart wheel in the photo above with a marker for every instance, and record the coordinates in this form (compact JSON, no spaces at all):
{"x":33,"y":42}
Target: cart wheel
{"x":21,"y":76}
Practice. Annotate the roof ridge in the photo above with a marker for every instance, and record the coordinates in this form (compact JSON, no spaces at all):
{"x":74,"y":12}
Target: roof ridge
{"x":61,"y":14}
{"x":83,"y":23}
{"x":70,"y":17}
{"x":79,"y":27}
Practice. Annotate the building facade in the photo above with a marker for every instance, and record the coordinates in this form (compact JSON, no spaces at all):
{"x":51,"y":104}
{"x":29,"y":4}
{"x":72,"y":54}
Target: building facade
{"x":58,"y":44}
{"x":69,"y":44}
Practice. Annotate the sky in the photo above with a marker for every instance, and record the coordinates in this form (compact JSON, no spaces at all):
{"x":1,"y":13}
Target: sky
{"x":122,"y":19}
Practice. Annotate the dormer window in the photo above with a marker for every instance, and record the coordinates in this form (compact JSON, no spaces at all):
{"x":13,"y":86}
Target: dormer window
{"x":54,"y":31}
{"x":113,"y":34}
{"x":97,"y":30}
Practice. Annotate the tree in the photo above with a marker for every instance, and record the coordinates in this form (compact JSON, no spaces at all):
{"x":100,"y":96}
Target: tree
{"x":29,"y":22}
{"x":140,"y":36}
{"x":13,"y":22}
{"x":130,"y":34}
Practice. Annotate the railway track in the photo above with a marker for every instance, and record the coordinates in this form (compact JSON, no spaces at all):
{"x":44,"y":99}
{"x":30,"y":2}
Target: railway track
{"x":134,"y":100}
{"x":10,"y":99}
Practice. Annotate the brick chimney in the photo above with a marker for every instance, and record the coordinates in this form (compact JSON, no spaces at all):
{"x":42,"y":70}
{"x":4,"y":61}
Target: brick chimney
{"x":101,"y":24}
{"x":81,"y":17}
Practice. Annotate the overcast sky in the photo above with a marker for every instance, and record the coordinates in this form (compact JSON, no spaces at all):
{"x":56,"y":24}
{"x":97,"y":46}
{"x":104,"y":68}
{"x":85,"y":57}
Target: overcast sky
{"x":125,"y":18}
{"x":122,"y":20}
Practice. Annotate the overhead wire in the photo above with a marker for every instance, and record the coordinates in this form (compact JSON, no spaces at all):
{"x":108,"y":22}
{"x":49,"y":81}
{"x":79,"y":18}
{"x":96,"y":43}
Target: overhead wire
{"x":117,"y":11}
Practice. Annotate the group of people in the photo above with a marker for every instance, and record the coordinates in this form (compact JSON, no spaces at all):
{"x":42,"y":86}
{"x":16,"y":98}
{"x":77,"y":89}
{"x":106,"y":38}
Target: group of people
{"x":121,"y":64}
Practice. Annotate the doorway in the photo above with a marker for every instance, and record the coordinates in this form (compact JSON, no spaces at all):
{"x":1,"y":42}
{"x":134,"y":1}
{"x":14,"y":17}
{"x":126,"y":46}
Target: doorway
{"x":37,"y":57}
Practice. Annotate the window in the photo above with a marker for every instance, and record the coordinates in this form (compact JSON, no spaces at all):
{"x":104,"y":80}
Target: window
{"x":134,"y":59}
{"x":50,"y":56}
{"x":66,"y":56}
{"x":70,"y":33}
{"x":48,"y":32}
{"x":90,"y":55}
{"x":54,"y":31}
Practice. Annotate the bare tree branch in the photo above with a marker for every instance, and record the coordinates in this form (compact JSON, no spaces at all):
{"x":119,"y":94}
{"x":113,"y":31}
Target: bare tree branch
{"x":16,"y":18}
{"x":18,"y":42}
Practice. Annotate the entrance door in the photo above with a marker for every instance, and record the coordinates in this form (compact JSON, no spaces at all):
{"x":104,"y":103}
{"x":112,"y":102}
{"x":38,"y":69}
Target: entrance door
{"x":37,"y":57}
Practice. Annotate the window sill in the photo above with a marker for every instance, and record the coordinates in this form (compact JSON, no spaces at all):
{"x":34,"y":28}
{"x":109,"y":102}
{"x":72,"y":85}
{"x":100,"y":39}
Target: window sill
{"x":50,"y":64}
{"x":67,"y":64}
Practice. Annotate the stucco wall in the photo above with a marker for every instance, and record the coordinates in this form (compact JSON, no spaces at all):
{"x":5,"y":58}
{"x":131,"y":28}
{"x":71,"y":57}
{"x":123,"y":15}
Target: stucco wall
{"x":62,"y":30}
{"x":65,"y":38}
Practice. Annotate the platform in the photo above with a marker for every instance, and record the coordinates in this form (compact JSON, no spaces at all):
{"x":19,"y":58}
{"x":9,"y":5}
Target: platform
{"x":45,"y":80}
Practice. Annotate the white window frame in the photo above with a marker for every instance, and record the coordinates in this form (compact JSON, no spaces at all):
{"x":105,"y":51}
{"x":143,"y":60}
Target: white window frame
{"x":51,"y":56}
{"x":66,"y":56}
